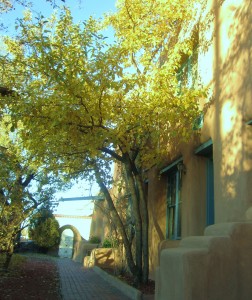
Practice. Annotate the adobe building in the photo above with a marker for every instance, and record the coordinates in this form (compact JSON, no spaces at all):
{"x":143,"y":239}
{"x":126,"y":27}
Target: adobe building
{"x":200,"y":202}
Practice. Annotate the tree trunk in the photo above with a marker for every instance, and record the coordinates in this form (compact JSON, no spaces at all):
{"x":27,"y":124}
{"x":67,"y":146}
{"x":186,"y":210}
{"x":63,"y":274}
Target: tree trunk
{"x":8,"y":256}
{"x":137,"y":215}
{"x":145,"y":224}
{"x":119,"y":224}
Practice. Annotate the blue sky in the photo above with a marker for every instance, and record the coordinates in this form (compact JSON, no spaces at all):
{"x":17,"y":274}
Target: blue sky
{"x":81,"y":10}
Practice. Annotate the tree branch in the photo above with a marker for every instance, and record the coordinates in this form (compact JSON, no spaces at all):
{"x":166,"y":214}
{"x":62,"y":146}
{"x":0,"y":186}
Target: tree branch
{"x":28,"y":179}
{"x":112,"y":153}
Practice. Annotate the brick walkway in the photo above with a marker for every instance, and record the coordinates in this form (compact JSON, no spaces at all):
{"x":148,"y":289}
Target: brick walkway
{"x":78,"y":283}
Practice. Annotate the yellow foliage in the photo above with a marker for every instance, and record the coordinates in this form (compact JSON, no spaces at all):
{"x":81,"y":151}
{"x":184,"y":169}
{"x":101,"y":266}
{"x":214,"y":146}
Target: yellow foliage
{"x":77,"y":95}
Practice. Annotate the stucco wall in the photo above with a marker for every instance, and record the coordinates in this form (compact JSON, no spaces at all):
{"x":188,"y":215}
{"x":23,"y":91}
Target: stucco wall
{"x":157,"y":216}
{"x":232,"y":92}
{"x":226,"y":68}
{"x":106,"y":258}
{"x":193,"y":193}
{"x":99,"y":225}
{"x":216,"y":266}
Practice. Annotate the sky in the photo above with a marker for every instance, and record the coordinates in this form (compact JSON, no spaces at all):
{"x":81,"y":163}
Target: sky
{"x":81,"y":10}
{"x":79,"y":189}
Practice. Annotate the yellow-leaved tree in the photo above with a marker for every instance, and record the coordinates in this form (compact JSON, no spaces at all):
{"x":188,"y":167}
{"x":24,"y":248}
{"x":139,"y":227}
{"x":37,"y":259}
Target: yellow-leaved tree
{"x":85,"y":103}
{"x":24,"y":187}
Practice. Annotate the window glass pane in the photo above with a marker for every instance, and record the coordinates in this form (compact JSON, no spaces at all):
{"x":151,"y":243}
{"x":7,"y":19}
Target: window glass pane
{"x":172,"y":189}
{"x":171,"y":222}
{"x":188,"y":72}
{"x":173,"y":207}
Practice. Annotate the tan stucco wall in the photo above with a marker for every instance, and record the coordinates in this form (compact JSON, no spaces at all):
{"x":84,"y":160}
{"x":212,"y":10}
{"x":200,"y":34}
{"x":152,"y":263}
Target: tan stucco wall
{"x":82,"y":249}
{"x":106,"y":258}
{"x":226,"y":67}
{"x":192,"y":194}
{"x":216,"y":266}
{"x":233,"y":87}
{"x":99,"y":225}
{"x":193,"y":205}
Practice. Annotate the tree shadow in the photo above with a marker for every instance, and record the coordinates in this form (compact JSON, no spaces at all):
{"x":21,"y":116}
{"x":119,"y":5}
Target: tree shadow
{"x":232,"y":95}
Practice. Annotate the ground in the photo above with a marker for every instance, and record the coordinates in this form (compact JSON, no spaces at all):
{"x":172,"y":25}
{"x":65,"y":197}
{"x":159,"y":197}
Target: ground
{"x":36,"y":277}
{"x":148,"y":289}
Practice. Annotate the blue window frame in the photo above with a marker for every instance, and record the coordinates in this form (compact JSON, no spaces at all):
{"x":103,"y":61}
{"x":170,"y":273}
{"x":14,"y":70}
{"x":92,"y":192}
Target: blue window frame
{"x":173,"y":200}
{"x":188,"y":72}
{"x":173,"y":207}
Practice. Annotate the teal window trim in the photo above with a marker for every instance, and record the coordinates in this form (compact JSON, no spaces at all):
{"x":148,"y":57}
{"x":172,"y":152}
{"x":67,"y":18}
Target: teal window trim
{"x":171,"y":166}
{"x":173,"y":207}
{"x":173,"y":200}
{"x":178,"y":202}
{"x":198,"y":122}
{"x":186,"y":70}
{"x":204,"y":148}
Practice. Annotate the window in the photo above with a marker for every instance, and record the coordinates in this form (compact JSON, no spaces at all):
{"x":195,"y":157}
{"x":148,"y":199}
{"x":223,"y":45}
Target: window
{"x":188,"y":72}
{"x":187,"y":76}
{"x":198,"y":122}
{"x":173,"y":223}
{"x":173,"y":199}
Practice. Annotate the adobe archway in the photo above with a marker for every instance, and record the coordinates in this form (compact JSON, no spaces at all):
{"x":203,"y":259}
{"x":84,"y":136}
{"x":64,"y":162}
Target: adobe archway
{"x":76,"y":235}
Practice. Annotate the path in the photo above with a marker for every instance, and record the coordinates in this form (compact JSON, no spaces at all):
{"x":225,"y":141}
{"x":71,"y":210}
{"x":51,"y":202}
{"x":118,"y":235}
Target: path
{"x":78,"y":283}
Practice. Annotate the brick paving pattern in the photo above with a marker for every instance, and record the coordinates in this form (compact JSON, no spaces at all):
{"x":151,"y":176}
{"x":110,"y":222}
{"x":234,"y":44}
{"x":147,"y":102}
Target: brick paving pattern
{"x":78,"y":283}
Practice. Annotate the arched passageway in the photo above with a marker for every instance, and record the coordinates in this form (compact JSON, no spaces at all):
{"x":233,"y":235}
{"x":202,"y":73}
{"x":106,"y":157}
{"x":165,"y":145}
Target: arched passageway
{"x":69,"y":236}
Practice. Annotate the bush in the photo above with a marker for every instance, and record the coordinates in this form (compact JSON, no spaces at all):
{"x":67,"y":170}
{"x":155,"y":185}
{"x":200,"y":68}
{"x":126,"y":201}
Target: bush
{"x":44,"y":231}
{"x":107,"y":243}
{"x":110,"y":242}
{"x":94,"y":240}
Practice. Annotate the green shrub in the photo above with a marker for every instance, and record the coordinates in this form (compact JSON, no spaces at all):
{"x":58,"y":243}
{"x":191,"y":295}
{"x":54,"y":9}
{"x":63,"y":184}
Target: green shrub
{"x":44,"y":231}
{"x":110,"y":242}
{"x":94,"y":240}
{"x":107,"y":243}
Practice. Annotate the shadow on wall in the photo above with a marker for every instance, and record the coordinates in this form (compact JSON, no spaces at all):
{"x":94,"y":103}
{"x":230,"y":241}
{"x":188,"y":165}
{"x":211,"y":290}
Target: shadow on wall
{"x":106,"y":258}
{"x":233,"y":93}
{"x":83,"y":249}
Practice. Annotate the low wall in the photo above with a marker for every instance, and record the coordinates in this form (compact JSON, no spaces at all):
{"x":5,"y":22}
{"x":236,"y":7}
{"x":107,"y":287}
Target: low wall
{"x":216,"y":266}
{"x":82,"y":249}
{"x":106,"y":258}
